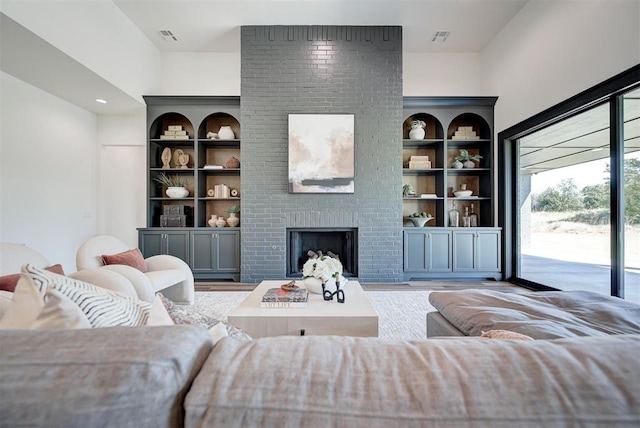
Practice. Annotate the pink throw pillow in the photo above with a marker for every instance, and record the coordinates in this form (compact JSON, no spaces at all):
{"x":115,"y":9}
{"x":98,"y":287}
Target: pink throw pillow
{"x":131,"y":258}
{"x":9,"y":282}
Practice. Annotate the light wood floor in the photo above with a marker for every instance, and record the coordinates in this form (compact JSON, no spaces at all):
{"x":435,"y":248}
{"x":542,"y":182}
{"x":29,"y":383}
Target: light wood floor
{"x":403,"y":286}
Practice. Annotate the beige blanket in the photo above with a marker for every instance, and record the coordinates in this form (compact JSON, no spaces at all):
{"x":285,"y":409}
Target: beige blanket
{"x":541,"y":315}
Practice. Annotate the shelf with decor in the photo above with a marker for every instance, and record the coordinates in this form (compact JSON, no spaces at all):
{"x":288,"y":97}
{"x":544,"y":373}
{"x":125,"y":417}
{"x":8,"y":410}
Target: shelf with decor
{"x":193,"y":138}
{"x":454,"y":128}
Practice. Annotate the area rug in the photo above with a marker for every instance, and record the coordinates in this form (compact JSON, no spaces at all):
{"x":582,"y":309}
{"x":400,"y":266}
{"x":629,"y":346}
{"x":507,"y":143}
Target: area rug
{"x":401,"y":314}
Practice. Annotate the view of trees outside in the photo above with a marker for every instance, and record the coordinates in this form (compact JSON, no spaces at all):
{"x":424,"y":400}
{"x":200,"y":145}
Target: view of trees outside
{"x":571,"y":223}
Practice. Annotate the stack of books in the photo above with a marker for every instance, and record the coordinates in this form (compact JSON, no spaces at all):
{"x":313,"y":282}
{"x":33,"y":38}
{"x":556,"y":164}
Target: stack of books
{"x":221,"y":191}
{"x":279,"y":298}
{"x":174,"y":132}
{"x":419,"y":162}
{"x":465,"y":133}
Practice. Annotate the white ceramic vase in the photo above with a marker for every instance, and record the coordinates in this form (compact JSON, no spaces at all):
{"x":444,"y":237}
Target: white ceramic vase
{"x":417,"y":133}
{"x":220,"y":222}
{"x":313,"y":285}
{"x":212,"y":220}
{"x":226,"y":133}
{"x":177,"y":192}
{"x":469,"y":164}
{"x":233,"y":221}
{"x":457,"y":165}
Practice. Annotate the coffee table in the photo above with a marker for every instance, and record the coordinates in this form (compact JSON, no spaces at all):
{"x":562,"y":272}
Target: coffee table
{"x":355,"y":317}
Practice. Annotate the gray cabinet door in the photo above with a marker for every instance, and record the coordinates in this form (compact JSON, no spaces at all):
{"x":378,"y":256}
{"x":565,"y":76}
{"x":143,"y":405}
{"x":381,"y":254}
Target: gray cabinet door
{"x":415,"y":251}
{"x":173,"y":243}
{"x":439,"y":251}
{"x":217,"y":251}
{"x":464,"y":250}
{"x":488,"y":250}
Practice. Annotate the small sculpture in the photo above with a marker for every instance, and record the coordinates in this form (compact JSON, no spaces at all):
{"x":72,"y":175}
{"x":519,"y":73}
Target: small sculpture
{"x":290,"y":286}
{"x":166,"y":158}
{"x":232,"y":162}
{"x":212,"y":135}
{"x":184,"y":160}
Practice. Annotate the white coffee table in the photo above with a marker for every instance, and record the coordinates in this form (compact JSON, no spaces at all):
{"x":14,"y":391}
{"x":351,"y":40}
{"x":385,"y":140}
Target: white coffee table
{"x":354,"y":317}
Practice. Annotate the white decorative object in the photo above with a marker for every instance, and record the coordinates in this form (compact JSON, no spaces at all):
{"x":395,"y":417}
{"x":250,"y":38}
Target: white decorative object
{"x":324,"y":269}
{"x":313,"y":284}
{"x":221,"y":222}
{"x":177,"y":192}
{"x":212,"y":220}
{"x":457,"y":165}
{"x":226,"y":133}
{"x":462,"y":193}
{"x":212,"y":135}
{"x":469,"y":164}
{"x":417,"y":130}
{"x":233,"y":221}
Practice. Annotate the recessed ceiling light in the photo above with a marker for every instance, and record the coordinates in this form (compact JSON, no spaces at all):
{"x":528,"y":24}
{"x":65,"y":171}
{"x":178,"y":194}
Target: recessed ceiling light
{"x":101,"y":101}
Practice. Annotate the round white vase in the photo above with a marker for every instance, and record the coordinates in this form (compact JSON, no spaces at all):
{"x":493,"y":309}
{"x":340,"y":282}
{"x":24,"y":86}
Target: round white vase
{"x":457,"y":165}
{"x":417,"y":133}
{"x":177,"y":192}
{"x":469,"y":164}
{"x":233,"y":221}
{"x":226,"y":133}
{"x":313,"y":285}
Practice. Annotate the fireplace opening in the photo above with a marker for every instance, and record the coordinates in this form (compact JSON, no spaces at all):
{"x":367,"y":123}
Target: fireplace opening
{"x":343,"y":242}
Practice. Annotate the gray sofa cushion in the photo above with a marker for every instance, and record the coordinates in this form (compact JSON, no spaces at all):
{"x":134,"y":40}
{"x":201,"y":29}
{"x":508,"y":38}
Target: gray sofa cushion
{"x":368,"y":382}
{"x":541,"y":315}
{"x":120,"y":376}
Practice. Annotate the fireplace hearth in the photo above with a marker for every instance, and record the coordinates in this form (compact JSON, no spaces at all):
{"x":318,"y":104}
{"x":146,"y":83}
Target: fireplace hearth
{"x":342,"y":242}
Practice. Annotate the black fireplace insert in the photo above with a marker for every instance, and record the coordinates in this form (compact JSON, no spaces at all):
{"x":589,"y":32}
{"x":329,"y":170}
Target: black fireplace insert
{"x":342,"y":242}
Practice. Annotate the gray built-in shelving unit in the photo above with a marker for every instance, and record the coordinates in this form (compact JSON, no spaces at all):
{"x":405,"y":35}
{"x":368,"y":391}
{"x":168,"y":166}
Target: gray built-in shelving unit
{"x":438,"y":250}
{"x":212,"y":253}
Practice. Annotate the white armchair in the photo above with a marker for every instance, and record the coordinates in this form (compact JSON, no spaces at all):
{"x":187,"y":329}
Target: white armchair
{"x":165,"y":273}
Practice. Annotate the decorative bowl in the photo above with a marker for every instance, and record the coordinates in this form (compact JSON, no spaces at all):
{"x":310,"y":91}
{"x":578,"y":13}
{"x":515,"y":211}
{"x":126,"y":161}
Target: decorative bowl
{"x":462,"y":193}
{"x":419,"y":221}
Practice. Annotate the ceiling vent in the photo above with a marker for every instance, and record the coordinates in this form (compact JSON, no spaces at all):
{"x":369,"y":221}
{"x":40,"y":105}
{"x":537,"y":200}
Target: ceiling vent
{"x":168,"y":35}
{"x":440,"y":36}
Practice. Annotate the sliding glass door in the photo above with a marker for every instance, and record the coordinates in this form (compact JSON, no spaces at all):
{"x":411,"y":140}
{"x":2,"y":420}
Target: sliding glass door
{"x":631,"y":116}
{"x":570,"y":193}
{"x":564,"y":228}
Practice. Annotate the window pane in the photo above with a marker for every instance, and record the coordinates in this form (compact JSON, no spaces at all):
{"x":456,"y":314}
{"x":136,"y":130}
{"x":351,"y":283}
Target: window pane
{"x":564,"y":227}
{"x":631,"y":116}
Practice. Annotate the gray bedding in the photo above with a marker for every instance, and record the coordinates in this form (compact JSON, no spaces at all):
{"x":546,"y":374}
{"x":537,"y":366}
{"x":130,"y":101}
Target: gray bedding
{"x":541,"y":315}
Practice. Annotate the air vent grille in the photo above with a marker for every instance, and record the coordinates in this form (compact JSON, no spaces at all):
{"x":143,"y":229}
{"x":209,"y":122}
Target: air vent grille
{"x":440,"y":36}
{"x":168,"y":35}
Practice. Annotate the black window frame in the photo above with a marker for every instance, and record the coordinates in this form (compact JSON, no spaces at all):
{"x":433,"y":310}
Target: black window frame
{"x":610,"y":91}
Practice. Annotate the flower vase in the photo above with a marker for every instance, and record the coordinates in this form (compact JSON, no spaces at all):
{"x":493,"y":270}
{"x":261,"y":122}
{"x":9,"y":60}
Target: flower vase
{"x":469,"y":164}
{"x":233,"y":221}
{"x":313,"y":285}
{"x":220,"y":222}
{"x":177,"y":192}
{"x":212,"y":220}
{"x":417,"y":133}
{"x":457,"y":165}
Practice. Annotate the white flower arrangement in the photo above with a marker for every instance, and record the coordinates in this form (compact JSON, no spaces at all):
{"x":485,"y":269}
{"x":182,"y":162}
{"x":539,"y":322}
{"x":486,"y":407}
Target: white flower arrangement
{"x":323,"y":268}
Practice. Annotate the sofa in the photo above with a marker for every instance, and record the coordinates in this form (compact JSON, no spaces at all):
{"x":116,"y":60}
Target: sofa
{"x":173,"y":376}
{"x":540,"y":315}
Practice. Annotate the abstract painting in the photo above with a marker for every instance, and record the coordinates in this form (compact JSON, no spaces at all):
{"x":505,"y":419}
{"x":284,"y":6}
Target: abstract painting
{"x":321,"y":153}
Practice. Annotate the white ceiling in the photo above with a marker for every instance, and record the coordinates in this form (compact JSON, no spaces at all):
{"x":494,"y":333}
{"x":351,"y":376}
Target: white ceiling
{"x":214,"y":25}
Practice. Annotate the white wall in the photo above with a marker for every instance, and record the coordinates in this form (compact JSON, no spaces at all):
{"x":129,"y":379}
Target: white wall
{"x":191,"y":73}
{"x":442,"y":74}
{"x":121,"y":190}
{"x":48,"y":171}
{"x":552,"y":50}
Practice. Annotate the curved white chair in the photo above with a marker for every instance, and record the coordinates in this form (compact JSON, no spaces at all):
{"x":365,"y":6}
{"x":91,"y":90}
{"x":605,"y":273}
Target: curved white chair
{"x":166,"y":273}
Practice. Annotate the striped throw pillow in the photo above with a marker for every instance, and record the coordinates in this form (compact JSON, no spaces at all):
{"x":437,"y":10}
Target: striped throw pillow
{"x":102,"y":307}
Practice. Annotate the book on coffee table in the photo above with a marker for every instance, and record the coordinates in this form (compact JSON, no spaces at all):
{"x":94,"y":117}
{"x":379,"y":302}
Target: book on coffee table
{"x":279,"y":298}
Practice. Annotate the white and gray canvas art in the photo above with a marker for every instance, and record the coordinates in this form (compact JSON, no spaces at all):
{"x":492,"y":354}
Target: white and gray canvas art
{"x":321,"y":153}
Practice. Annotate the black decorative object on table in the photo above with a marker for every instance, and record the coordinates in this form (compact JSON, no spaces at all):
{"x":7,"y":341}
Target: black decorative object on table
{"x":328,"y":295}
